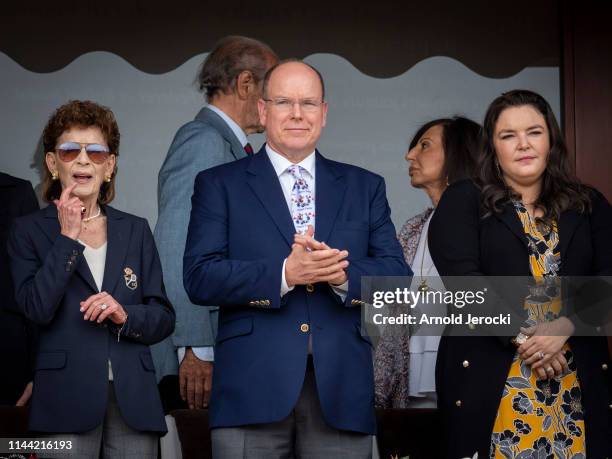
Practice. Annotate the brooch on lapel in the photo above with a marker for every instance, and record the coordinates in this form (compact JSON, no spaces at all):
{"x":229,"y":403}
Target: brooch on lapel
{"x":131,"y":281}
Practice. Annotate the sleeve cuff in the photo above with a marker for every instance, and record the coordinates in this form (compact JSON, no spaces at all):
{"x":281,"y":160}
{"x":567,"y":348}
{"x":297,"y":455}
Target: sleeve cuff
{"x":204,"y":353}
{"x":284,"y":287}
{"x":341,"y":290}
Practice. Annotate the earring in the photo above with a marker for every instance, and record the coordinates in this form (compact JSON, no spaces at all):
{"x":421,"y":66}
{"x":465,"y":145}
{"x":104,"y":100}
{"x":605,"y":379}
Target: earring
{"x":54,"y":176}
{"x":447,"y":184}
{"x":107,"y":179}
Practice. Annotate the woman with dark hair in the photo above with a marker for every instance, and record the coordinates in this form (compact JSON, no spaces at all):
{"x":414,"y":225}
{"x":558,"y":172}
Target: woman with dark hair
{"x":441,"y":152}
{"x":90,"y":277}
{"x":544,"y":393}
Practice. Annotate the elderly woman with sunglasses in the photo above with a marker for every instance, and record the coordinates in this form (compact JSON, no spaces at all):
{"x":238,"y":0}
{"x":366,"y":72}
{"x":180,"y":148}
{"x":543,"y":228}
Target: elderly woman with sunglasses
{"x":90,"y":277}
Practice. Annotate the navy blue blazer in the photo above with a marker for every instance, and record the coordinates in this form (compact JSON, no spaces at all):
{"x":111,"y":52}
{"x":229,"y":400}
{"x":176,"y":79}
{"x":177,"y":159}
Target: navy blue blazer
{"x":239,"y":234}
{"x":51,"y":277}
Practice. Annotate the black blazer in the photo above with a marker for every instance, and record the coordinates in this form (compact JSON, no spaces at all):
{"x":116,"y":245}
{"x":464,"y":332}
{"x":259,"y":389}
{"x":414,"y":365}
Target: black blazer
{"x":51,"y":277}
{"x":464,"y":244}
{"x":17,"y":335}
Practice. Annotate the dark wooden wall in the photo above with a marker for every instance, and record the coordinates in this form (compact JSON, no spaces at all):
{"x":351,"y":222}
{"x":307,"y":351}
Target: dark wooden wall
{"x":587,"y":93}
{"x":587,"y":90}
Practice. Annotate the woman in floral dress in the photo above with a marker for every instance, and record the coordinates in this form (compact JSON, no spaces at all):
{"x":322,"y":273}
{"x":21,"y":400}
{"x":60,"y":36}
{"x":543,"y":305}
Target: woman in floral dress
{"x":546,"y":392}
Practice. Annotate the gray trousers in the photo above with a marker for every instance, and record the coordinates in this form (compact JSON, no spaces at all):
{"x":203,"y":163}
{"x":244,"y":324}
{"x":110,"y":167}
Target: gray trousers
{"x":113,"y":439}
{"x":302,"y":435}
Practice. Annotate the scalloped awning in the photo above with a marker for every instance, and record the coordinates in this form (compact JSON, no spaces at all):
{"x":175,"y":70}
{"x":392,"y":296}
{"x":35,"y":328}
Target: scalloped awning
{"x":382,"y":38}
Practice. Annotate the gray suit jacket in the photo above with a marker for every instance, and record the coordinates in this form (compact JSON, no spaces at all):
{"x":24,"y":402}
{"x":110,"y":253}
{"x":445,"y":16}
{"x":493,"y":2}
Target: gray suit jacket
{"x":205,"y":142}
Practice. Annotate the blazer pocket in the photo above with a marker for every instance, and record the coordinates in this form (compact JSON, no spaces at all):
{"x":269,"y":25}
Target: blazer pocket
{"x":147,"y":361}
{"x":352,"y":225}
{"x":53,"y":360}
{"x":233,"y":328}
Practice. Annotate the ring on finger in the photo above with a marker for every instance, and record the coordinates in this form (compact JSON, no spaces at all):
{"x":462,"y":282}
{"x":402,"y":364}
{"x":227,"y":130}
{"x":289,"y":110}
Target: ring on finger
{"x":103,"y":306}
{"x":550,"y":370}
{"x":541,"y":355}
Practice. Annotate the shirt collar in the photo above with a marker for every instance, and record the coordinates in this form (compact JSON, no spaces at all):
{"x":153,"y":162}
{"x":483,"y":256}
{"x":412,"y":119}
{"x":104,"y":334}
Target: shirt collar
{"x":237,"y":130}
{"x":281,"y":164}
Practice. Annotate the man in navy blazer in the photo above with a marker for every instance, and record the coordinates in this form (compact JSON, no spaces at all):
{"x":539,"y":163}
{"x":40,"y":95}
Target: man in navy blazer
{"x":231,"y":78}
{"x":293,"y":373}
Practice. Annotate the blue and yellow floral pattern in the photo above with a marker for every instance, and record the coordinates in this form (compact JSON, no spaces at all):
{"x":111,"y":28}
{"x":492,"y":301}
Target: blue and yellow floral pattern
{"x":540,"y":419}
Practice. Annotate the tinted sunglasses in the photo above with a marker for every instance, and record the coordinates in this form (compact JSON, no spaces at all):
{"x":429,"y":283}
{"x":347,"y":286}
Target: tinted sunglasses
{"x":68,"y":151}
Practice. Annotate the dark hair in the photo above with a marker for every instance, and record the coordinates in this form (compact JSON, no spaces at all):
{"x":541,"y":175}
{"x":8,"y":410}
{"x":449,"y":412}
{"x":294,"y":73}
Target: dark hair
{"x":461,"y":143}
{"x":231,"y":56}
{"x":80,"y":113}
{"x":287,"y":61}
{"x":561,"y":190}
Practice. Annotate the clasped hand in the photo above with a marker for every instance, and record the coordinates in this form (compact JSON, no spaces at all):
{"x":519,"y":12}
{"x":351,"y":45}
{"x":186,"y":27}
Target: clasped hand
{"x":544,"y":349}
{"x":311,"y":261}
{"x":101,"y":306}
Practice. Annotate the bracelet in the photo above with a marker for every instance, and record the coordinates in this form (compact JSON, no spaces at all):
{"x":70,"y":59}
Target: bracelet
{"x":520,"y":339}
{"x":122,"y":326}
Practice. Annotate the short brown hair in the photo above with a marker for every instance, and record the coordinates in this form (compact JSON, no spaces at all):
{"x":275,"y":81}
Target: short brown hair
{"x":231,"y":56}
{"x":80,"y":113}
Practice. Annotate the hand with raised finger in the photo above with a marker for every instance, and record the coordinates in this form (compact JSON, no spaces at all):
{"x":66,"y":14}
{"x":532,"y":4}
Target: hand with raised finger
{"x":69,"y":213}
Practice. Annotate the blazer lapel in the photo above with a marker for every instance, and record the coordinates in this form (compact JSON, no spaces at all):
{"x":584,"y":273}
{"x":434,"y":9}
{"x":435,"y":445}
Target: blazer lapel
{"x":330,"y":186}
{"x":509,"y":218}
{"x":118,"y":231}
{"x":51,"y":228}
{"x":569,"y":221}
{"x":262,"y":179}
{"x":208,"y":116}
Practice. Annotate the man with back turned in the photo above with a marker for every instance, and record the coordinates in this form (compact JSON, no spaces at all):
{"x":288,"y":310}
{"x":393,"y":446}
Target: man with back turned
{"x":231,"y":78}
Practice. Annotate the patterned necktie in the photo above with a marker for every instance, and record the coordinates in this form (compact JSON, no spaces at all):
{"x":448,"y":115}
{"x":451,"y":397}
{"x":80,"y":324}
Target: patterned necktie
{"x":302,"y":201}
{"x":249,"y":149}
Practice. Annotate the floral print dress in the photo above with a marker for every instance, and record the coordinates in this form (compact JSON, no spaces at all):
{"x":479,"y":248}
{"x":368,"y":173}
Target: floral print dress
{"x":540,"y":419}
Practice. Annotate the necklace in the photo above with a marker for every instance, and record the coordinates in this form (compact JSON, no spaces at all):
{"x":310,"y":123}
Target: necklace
{"x":85,"y":220}
{"x":423,"y":287}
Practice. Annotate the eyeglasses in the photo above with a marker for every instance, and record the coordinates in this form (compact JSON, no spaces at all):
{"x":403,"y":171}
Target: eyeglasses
{"x":68,"y":151}
{"x":283,"y":104}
